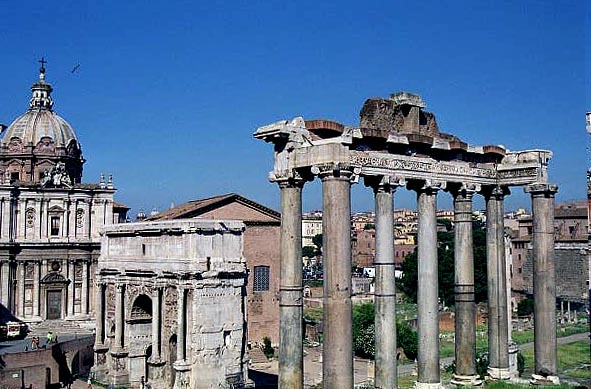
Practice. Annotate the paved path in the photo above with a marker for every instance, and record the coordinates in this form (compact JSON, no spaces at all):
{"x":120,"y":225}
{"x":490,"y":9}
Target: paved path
{"x":313,"y":362}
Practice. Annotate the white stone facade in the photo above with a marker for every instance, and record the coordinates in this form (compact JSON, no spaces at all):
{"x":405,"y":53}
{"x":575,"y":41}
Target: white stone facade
{"x":171,"y":298}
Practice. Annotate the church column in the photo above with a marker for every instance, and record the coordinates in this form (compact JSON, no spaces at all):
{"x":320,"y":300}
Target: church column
{"x":119,"y":306}
{"x":181,"y":346}
{"x":498,"y":333}
{"x":156,"y":324}
{"x":100,"y":313}
{"x":544,"y":277}
{"x":465,"y":321}
{"x":4,"y":273}
{"x":427,"y":290}
{"x":36,"y":287}
{"x":71,"y":288}
{"x":385,"y":287}
{"x":291,"y":353}
{"x":337,"y":366}
{"x":84,"y":295}
{"x":21,"y":289}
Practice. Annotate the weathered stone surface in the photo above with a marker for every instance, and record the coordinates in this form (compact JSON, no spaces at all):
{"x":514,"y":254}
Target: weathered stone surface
{"x":197,"y":268}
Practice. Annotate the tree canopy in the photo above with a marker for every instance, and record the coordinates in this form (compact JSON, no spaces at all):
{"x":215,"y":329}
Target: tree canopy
{"x":445,"y":255}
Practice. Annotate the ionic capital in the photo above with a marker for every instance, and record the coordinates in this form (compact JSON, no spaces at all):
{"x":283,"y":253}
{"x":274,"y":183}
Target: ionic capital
{"x":464,"y":190}
{"x":541,"y":190}
{"x":292,"y":182}
{"x":427,"y":186}
{"x":384,"y":183}
{"x":337,"y":170}
{"x":496,"y":192}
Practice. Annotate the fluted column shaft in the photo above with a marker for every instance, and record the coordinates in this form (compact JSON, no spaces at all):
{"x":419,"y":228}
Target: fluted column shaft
{"x":181,"y":322}
{"x":337,"y":367}
{"x":544,"y":277}
{"x":291,"y":354}
{"x":428,"y":287}
{"x":385,"y":290}
{"x":498,"y":333}
{"x":4,"y":274}
{"x":465,"y":320}
{"x":71,"y":288}
{"x":119,"y":306}
{"x":21,"y":289}
{"x":36,"y":288}
{"x":156,"y":323}
{"x":84,"y":296}
{"x":99,"y":307}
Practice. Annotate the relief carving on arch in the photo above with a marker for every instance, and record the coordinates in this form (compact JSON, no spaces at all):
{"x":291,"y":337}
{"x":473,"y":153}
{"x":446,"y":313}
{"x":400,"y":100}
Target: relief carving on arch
{"x":170,"y":311}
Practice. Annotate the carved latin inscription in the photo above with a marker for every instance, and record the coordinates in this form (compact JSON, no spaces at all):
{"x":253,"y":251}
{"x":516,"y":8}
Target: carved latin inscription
{"x":365,"y":159}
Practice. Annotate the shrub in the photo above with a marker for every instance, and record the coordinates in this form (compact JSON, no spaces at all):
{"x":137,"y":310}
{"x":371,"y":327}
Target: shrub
{"x":520,"y":363}
{"x":525,"y":307}
{"x":267,"y":348}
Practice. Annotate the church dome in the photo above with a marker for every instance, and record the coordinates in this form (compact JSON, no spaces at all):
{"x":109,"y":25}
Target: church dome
{"x":39,"y":139}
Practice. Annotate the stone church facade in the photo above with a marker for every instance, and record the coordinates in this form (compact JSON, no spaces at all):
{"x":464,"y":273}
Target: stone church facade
{"x":170,"y":303}
{"x":49,"y":219}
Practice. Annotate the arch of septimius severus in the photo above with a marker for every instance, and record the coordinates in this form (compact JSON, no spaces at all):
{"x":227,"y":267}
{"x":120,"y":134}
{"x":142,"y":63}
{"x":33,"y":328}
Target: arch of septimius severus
{"x":398,"y":145}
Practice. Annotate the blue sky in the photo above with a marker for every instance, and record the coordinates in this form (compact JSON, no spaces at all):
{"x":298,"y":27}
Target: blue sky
{"x":168,"y":93}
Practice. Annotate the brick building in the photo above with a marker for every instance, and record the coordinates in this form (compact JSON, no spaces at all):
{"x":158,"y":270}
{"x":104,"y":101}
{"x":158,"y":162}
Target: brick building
{"x":261,"y":251}
{"x":571,"y":262}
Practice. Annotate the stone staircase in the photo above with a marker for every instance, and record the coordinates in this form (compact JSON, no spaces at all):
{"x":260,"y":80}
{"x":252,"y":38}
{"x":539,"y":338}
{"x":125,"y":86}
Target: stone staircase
{"x":58,"y":327}
{"x":257,"y":355}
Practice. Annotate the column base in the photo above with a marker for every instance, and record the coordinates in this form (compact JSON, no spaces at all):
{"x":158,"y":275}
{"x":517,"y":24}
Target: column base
{"x":498,"y":374}
{"x":425,"y":385}
{"x":182,"y":374}
{"x":513,"y":349}
{"x":537,"y":379}
{"x":466,"y":380}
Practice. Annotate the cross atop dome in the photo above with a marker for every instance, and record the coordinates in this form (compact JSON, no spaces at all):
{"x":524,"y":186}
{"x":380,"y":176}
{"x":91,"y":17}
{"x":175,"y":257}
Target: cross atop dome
{"x":41,"y":90}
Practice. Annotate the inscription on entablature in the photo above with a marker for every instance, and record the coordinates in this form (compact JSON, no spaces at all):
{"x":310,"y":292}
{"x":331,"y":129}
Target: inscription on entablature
{"x":529,"y":172}
{"x":400,"y":163}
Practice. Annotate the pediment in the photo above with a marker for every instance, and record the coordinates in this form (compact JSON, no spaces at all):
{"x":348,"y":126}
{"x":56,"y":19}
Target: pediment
{"x":54,"y":278}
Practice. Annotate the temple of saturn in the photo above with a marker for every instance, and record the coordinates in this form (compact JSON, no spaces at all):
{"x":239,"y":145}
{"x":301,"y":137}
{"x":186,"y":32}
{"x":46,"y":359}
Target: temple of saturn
{"x":398,"y":145}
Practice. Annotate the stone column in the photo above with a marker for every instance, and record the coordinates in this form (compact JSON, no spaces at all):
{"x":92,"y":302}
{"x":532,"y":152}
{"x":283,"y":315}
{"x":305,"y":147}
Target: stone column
{"x":119,"y":306}
{"x":36,"y":288}
{"x":99,"y":296}
{"x":465,"y":321}
{"x":181,"y":346}
{"x":21,"y":289}
{"x":498,"y":341}
{"x":427,"y":291}
{"x":71,"y":288}
{"x":291,"y":355}
{"x":84,"y":295}
{"x":156,"y":325}
{"x":337,"y":362}
{"x":4,"y":273}
{"x":544,"y":278}
{"x":385,"y":288}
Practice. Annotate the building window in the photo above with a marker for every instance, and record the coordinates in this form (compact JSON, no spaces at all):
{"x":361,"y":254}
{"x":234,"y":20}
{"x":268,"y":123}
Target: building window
{"x":55,"y":226}
{"x":14,"y":176}
{"x":261,"y":279}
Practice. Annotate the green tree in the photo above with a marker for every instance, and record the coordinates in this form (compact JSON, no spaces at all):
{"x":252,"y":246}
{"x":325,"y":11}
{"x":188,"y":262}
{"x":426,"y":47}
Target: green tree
{"x":364,"y":333}
{"x":446,"y":273}
{"x":525,"y":307}
{"x":317,"y":240}
{"x":309,"y":251}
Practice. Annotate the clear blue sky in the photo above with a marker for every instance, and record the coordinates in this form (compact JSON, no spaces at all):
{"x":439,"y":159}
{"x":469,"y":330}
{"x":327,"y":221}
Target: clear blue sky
{"x":168,"y":93}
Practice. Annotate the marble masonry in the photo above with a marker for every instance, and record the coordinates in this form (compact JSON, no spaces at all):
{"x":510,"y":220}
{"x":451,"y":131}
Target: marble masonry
{"x":170,"y":298}
{"x":398,"y":145}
